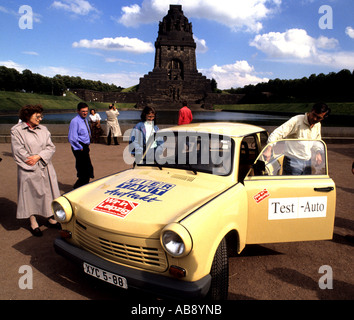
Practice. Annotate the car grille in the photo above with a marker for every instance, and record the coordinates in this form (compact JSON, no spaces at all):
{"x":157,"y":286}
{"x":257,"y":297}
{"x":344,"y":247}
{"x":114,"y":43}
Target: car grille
{"x":148,"y":254}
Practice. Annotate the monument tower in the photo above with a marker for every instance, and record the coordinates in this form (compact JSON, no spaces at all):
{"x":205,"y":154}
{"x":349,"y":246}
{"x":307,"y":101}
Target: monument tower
{"x":175,"y":76}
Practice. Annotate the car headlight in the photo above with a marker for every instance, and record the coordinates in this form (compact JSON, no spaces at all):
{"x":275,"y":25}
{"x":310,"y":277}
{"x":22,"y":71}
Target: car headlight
{"x":62,"y":210}
{"x":173,"y":243}
{"x":176,"y":240}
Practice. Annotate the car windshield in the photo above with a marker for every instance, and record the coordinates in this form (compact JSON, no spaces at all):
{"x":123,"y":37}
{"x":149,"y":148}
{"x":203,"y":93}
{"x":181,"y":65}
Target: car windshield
{"x":194,"y":151}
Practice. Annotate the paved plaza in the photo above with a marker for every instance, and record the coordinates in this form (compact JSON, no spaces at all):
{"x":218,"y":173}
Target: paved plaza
{"x":282,"y":271}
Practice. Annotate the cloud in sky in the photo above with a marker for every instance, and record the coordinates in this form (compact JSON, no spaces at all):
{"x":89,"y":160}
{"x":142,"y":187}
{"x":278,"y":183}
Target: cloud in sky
{"x":31,"y":53}
{"x":12,"y":65}
{"x":79,"y":7}
{"x":295,"y":45}
{"x":4,"y":10}
{"x":233,"y":75}
{"x":201,"y":45}
{"x":350,"y":32}
{"x":126,"y":44}
{"x":235,"y":14}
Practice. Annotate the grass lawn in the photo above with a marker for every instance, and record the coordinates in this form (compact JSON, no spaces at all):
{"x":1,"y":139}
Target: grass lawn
{"x":11,"y":102}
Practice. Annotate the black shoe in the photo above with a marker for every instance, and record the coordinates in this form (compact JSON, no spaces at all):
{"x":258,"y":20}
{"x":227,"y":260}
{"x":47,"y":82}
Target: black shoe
{"x":54,"y":225}
{"x":36,"y":232}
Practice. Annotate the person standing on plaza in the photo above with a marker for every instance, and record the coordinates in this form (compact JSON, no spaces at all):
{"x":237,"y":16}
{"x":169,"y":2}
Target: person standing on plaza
{"x":79,"y":138}
{"x":185,"y":114}
{"x":96,"y":130}
{"x":113,"y":125}
{"x":33,"y":149}
{"x":306,"y":126}
{"x":142,"y":132}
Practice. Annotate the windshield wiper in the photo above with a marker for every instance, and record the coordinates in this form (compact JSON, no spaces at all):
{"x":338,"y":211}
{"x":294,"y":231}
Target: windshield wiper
{"x":142,"y":163}
{"x":192,"y":169}
{"x":158,"y":165}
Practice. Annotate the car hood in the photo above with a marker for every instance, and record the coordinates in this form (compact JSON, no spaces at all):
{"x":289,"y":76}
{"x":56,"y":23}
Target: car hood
{"x":141,"y":202}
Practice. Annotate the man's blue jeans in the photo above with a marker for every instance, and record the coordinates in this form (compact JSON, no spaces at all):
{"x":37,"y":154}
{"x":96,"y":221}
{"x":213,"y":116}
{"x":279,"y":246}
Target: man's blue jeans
{"x":297,"y":167}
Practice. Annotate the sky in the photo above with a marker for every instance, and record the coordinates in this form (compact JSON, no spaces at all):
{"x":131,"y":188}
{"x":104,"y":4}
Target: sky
{"x":239,"y":42}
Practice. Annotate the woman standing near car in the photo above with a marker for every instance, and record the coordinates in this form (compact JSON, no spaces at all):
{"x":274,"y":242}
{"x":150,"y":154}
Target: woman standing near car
{"x":142,"y":132}
{"x":33,"y":149}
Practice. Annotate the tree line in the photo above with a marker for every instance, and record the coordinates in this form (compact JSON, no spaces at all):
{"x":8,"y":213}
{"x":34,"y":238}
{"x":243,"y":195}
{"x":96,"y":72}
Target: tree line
{"x":27,"y":81}
{"x":335,"y":87}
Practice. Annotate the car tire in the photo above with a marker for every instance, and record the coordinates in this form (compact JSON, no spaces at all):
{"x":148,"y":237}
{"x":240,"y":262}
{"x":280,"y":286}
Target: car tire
{"x":219,"y":274}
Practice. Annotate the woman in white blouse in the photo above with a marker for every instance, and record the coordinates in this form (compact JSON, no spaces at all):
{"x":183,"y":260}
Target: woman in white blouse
{"x":96,"y":130}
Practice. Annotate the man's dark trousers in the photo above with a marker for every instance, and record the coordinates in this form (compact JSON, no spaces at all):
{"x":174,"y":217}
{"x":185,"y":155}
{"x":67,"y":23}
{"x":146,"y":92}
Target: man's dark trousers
{"x":83,"y":165}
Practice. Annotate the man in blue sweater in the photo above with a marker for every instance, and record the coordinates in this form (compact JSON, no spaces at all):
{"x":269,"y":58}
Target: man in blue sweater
{"x":79,"y":138}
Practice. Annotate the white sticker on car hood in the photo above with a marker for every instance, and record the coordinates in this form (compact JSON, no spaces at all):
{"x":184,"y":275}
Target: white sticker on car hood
{"x":141,"y":189}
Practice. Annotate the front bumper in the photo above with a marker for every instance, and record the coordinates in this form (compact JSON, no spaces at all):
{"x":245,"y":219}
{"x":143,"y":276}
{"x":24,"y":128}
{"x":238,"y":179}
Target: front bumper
{"x":137,"y":279}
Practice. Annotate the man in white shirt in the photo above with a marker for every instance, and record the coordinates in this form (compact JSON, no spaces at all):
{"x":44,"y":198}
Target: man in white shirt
{"x":297,"y":158}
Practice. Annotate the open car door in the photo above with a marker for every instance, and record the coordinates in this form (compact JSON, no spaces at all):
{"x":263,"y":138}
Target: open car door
{"x":290,"y":207}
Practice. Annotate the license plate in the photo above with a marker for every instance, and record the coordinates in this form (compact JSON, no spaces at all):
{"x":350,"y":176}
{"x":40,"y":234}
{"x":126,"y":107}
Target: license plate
{"x":105,"y":276}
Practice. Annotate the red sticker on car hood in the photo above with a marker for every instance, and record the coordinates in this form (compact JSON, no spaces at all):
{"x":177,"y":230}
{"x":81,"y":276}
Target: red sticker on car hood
{"x":117,"y":207}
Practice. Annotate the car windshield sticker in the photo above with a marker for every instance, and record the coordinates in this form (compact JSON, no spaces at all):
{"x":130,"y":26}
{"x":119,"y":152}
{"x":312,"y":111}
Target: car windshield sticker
{"x":141,"y":189}
{"x":297,"y":208}
{"x":117,"y":207}
{"x":261,"y":195}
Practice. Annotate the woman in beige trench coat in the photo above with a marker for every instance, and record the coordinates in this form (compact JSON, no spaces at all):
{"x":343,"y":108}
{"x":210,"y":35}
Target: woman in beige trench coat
{"x":33,"y":149}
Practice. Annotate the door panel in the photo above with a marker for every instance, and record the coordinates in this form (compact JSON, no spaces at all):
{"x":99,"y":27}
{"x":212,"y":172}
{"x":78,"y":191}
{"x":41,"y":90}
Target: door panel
{"x":286,"y":208}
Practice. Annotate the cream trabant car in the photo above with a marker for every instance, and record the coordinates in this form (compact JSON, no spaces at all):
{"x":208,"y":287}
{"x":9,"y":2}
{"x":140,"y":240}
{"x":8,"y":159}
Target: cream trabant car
{"x":201,"y":190}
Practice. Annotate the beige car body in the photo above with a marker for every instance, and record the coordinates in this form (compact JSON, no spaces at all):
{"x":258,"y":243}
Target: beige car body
{"x":121,"y":218}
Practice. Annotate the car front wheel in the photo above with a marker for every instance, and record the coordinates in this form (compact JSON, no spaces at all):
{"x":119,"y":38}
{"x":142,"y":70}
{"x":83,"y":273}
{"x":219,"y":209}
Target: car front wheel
{"x":219,"y":273}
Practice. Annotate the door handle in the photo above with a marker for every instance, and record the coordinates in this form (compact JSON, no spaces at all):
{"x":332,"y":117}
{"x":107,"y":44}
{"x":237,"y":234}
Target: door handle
{"x":325,"y":189}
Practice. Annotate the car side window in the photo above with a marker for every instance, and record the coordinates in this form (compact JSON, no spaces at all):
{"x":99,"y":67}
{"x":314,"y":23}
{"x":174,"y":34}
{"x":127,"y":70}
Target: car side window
{"x":291,"y":157}
{"x":248,"y":154}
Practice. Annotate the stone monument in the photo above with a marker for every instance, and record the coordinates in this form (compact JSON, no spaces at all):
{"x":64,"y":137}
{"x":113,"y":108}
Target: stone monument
{"x":175,"y":76}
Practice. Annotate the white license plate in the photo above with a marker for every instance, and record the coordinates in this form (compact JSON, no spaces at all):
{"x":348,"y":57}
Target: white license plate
{"x":105,"y":276}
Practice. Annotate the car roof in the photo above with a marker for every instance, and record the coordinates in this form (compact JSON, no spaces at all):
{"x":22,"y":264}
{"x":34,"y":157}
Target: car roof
{"x":223,"y":128}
